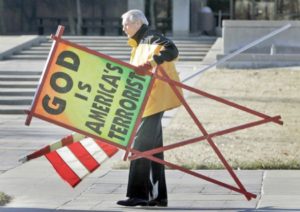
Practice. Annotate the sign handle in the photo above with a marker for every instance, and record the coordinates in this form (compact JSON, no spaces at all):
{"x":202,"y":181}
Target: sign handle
{"x":58,"y":34}
{"x":128,"y":148}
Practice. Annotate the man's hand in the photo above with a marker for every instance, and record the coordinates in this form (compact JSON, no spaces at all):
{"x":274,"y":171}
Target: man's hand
{"x":143,"y":69}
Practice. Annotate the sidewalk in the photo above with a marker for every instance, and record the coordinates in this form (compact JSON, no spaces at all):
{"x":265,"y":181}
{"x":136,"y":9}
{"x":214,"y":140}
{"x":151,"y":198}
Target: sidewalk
{"x":35,"y":187}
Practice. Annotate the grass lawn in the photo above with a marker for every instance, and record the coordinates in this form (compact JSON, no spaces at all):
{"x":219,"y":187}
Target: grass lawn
{"x":269,"y":146}
{"x":273,"y":91}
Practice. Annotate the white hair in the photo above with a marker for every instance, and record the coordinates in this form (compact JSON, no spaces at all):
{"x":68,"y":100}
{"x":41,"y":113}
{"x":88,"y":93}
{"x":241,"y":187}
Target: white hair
{"x":135,"y":16}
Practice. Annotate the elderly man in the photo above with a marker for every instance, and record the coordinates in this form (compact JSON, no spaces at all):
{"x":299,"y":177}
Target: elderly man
{"x":147,"y":184}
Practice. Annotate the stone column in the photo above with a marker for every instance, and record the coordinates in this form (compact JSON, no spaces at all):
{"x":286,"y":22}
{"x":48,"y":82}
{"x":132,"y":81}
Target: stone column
{"x":196,"y":5}
{"x":136,"y":4}
{"x":181,"y":17}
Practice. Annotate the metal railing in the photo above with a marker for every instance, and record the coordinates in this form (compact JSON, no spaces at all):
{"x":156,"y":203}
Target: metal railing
{"x":248,"y":46}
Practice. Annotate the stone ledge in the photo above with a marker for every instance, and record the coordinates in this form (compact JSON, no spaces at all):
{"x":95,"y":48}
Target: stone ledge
{"x":260,"y":23}
{"x":237,"y":34}
{"x":260,"y":61}
{"x":12,"y":44}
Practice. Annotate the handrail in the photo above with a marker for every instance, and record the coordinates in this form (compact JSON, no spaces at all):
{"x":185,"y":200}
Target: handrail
{"x":253,"y":43}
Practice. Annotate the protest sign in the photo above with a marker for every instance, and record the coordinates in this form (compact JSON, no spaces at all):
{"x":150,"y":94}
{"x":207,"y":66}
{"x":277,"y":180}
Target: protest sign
{"x":90,"y":92}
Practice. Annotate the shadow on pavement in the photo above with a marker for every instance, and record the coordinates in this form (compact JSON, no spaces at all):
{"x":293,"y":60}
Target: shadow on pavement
{"x":47,"y":210}
{"x":266,"y":209}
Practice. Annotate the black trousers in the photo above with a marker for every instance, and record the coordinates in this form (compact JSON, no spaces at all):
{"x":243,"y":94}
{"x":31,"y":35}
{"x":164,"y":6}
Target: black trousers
{"x":146,"y":178}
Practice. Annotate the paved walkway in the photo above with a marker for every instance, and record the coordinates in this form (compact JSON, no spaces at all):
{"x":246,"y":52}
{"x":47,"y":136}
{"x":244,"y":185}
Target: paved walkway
{"x":35,"y":187}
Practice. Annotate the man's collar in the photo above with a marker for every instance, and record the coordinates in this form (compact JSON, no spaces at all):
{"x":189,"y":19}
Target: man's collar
{"x":136,"y":38}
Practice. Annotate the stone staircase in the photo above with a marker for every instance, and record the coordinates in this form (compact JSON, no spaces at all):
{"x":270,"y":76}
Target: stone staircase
{"x":20,"y":73}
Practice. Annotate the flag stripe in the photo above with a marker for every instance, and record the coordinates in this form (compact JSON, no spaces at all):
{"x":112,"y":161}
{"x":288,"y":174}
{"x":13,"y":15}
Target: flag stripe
{"x":110,"y":150}
{"x":70,"y":159}
{"x":55,"y":146}
{"x":93,"y":149}
{"x":84,"y":156}
{"x":67,"y":140}
{"x":38,"y":153}
{"x":78,"y":137}
{"x":76,"y":156}
{"x":63,"y":169}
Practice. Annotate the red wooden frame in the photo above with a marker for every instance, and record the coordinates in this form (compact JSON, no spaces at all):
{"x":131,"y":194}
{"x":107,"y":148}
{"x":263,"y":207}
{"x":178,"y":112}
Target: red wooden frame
{"x":30,"y":113}
{"x":208,"y":137}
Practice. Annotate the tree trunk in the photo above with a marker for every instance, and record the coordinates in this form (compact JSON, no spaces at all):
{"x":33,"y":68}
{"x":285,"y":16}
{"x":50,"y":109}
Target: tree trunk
{"x":152,"y":14}
{"x":71,"y":17}
{"x":2,"y":21}
{"x":79,"y":17}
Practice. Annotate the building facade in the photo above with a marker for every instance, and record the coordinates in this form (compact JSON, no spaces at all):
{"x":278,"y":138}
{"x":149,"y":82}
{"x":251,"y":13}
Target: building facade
{"x":102,"y":17}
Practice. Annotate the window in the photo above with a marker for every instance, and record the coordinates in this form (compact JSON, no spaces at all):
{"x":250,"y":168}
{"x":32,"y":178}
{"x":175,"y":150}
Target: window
{"x":267,"y":9}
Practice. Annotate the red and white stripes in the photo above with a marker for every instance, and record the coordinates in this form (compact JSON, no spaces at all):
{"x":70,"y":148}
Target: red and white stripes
{"x":67,"y":140}
{"x":75,"y":156}
{"x":77,"y":160}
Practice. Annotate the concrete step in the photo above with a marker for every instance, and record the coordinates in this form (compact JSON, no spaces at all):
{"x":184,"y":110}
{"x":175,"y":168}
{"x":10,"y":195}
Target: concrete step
{"x":191,"y":49}
{"x":194,"y":49}
{"x":110,"y":53}
{"x":76,"y":37}
{"x":126,"y":49}
{"x":22,"y":78}
{"x":112,"y":44}
{"x":16,"y":100}
{"x":123,"y":49}
{"x":18,"y":72}
{"x":44,"y":57}
{"x":191,"y":58}
{"x":94,"y":37}
{"x":198,"y":58}
{"x":17,"y":92}
{"x":13,"y":85}
{"x":124,"y":45}
{"x":19,"y":80}
{"x":210,"y":38}
{"x":13,"y":109}
{"x":46,"y":51}
{"x":124,"y":38}
{"x":195,"y":58}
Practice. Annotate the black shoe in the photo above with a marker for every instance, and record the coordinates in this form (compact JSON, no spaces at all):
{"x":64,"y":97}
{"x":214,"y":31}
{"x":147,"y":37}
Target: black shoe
{"x":133,"y":202}
{"x":158,"y":202}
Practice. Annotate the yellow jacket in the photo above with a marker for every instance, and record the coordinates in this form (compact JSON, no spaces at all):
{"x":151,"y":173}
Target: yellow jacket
{"x":162,"y":97}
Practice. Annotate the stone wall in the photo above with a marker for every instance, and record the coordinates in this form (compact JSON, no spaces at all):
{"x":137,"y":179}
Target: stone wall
{"x":280,"y":50}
